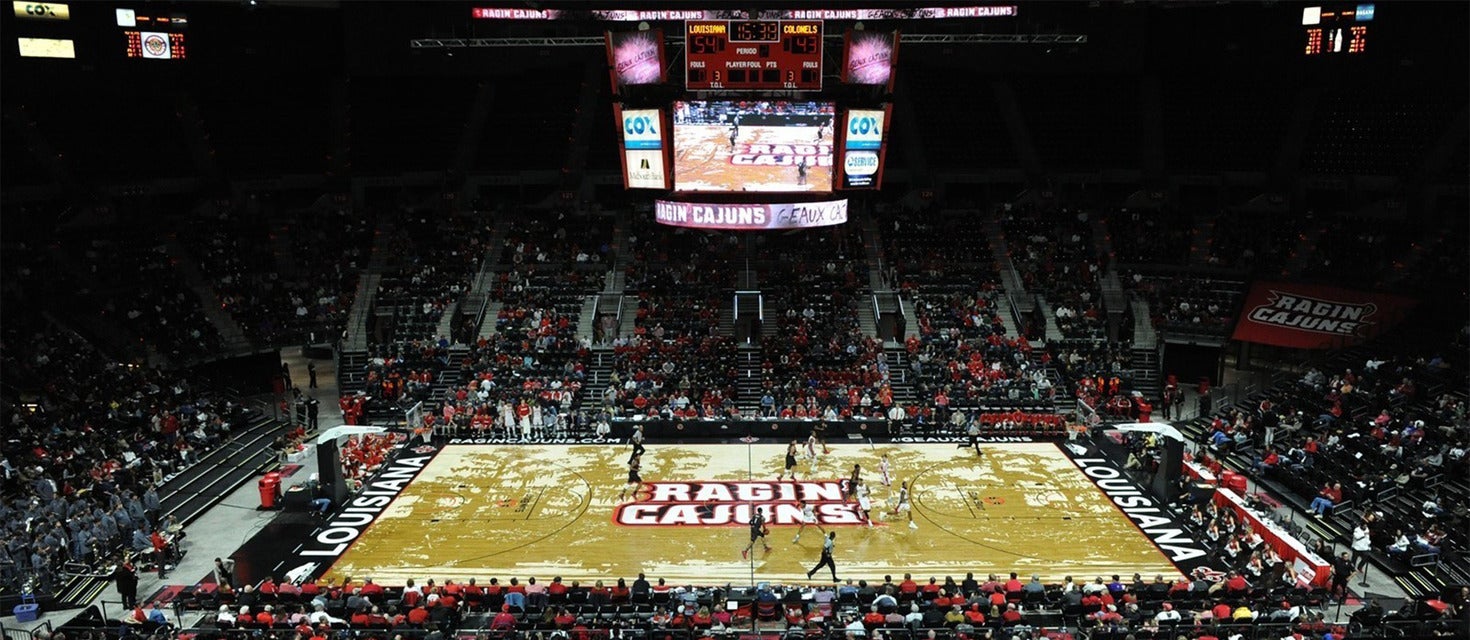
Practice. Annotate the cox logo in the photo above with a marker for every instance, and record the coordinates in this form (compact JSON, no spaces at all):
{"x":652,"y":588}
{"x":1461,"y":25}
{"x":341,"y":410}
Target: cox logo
{"x":640,"y":125}
{"x":864,"y":126}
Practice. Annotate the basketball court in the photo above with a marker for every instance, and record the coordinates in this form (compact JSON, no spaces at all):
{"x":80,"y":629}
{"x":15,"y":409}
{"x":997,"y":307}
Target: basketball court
{"x":554,"y":510}
{"x":763,"y":158}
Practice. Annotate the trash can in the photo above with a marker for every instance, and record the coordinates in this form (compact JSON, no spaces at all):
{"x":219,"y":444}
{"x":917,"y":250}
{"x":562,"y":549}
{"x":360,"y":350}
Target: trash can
{"x":270,"y":490}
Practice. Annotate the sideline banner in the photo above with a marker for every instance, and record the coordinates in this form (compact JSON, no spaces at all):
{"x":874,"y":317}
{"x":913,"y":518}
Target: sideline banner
{"x":1302,"y":316}
{"x":750,"y":217}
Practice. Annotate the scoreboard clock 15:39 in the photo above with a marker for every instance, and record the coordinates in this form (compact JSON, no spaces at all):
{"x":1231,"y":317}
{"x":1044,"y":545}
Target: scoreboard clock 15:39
{"x":753,"y":55}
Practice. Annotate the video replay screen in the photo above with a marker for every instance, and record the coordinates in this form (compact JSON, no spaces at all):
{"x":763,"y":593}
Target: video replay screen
{"x":774,"y":146}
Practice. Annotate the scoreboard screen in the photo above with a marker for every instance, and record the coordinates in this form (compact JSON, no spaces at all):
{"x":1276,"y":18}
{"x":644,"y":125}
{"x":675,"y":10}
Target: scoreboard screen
{"x":1336,"y":29}
{"x":753,"y":55}
{"x":155,"y":36}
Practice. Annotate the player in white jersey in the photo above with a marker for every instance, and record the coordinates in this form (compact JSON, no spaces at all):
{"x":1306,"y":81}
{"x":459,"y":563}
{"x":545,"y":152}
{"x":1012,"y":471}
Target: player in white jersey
{"x":903,"y":506}
{"x":811,"y":447}
{"x":865,"y":503}
{"x":808,"y":517}
{"x":883,"y":471}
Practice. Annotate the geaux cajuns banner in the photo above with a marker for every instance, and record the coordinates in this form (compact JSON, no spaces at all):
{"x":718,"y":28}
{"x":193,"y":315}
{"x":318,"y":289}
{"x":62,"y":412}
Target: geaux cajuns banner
{"x":636,"y":57}
{"x":750,"y":217}
{"x":1301,"y":316}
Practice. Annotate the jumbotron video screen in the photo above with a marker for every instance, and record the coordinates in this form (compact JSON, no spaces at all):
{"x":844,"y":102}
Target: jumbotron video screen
{"x":777,"y":146}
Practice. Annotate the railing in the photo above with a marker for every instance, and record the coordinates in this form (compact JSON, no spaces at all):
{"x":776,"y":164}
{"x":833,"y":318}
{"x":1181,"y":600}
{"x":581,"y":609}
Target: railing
{"x":16,"y":633}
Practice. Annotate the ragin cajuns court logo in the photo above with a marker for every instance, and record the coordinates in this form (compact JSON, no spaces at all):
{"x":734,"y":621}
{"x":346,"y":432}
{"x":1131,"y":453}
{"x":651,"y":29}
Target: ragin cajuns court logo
{"x":1294,"y":311}
{"x":782,"y":155}
{"x":717,"y":503}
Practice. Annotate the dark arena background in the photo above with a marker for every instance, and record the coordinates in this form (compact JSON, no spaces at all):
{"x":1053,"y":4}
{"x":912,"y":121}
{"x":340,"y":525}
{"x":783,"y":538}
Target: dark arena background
{"x":757,"y":321}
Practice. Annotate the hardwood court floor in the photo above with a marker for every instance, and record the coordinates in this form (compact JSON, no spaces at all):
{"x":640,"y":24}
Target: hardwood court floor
{"x":703,"y":159}
{"x":496,"y":510}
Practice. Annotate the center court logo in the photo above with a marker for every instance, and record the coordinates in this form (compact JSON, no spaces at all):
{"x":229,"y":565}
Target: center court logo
{"x":717,"y":503}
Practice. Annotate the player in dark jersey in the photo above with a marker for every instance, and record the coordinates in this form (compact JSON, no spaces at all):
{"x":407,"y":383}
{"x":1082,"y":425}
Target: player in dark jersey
{"x":801,"y":171}
{"x":635,"y":481}
{"x":853,"y":481}
{"x":757,"y":530}
{"x":790,"y":461}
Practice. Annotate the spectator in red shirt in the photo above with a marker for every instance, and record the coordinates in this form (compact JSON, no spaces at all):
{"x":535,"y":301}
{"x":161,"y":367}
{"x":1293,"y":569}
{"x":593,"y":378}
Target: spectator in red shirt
{"x":1014,"y":584}
{"x":370,"y":589}
{"x":908,"y":587}
{"x":417,"y":616}
{"x":873,"y":619}
{"x":505,"y":620}
{"x":1012,"y":615}
{"x":1327,"y":498}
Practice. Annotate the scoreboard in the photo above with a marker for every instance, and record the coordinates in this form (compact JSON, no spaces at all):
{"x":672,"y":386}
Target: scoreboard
{"x":1336,"y":29}
{"x":753,"y":55}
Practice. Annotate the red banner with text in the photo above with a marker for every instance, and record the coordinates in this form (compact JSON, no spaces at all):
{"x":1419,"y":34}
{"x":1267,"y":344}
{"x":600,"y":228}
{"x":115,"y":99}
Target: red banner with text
{"x":1303,"y":316}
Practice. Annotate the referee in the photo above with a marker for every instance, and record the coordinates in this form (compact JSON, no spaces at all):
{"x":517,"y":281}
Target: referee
{"x":826,"y":557}
{"x":637,"y":441}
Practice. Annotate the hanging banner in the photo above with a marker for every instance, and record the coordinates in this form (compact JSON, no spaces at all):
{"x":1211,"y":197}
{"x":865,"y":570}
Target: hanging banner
{"x":1302,"y":316}
{"x":750,"y":217}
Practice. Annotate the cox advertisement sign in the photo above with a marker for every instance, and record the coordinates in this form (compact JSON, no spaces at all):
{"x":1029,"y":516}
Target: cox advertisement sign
{"x":643,"y":149}
{"x":750,"y":217}
{"x":642,"y":129}
{"x":862,"y":157}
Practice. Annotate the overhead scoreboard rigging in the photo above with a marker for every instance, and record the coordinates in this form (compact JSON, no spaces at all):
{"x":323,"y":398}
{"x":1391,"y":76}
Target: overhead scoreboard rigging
{"x":753,"y":55}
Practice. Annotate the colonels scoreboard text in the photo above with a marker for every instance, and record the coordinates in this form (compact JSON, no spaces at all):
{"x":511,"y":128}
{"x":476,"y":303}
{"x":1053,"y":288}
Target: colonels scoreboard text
{"x":754,"y":55}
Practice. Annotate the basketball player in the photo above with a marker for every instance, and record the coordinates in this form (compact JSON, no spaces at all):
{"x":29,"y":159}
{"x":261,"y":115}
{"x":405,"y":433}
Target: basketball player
{"x":826,"y":561}
{"x":903,"y":507}
{"x":757,"y":530}
{"x":853,"y":481}
{"x":801,"y":171}
{"x":865,"y":504}
{"x":734,"y":133}
{"x":635,"y":481}
{"x":821,"y":434}
{"x":790,"y":462}
{"x":808,"y":517}
{"x":884,"y":472}
{"x":637,"y":442}
{"x":811,"y":447}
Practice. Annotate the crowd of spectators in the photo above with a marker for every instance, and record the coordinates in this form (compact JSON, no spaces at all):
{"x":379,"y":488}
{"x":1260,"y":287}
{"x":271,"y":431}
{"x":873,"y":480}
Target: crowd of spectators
{"x":677,"y":364}
{"x":1054,"y":254}
{"x":1369,"y":446}
{"x":1258,"y":242}
{"x":961,"y":356}
{"x":1190,"y":304}
{"x":1158,"y":237}
{"x":970,"y":608}
{"x":563,"y":240}
{"x":274,"y":305}
{"x":817,"y":362}
{"x":131,"y":283}
{"x":1359,"y":251}
{"x":1099,"y":373}
{"x":435,"y":259}
{"x":88,"y":443}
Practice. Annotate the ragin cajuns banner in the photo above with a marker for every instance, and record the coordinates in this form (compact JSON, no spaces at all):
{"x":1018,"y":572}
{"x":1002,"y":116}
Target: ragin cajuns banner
{"x":1303,"y":316}
{"x":750,"y":217}
{"x":716,"y":503}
